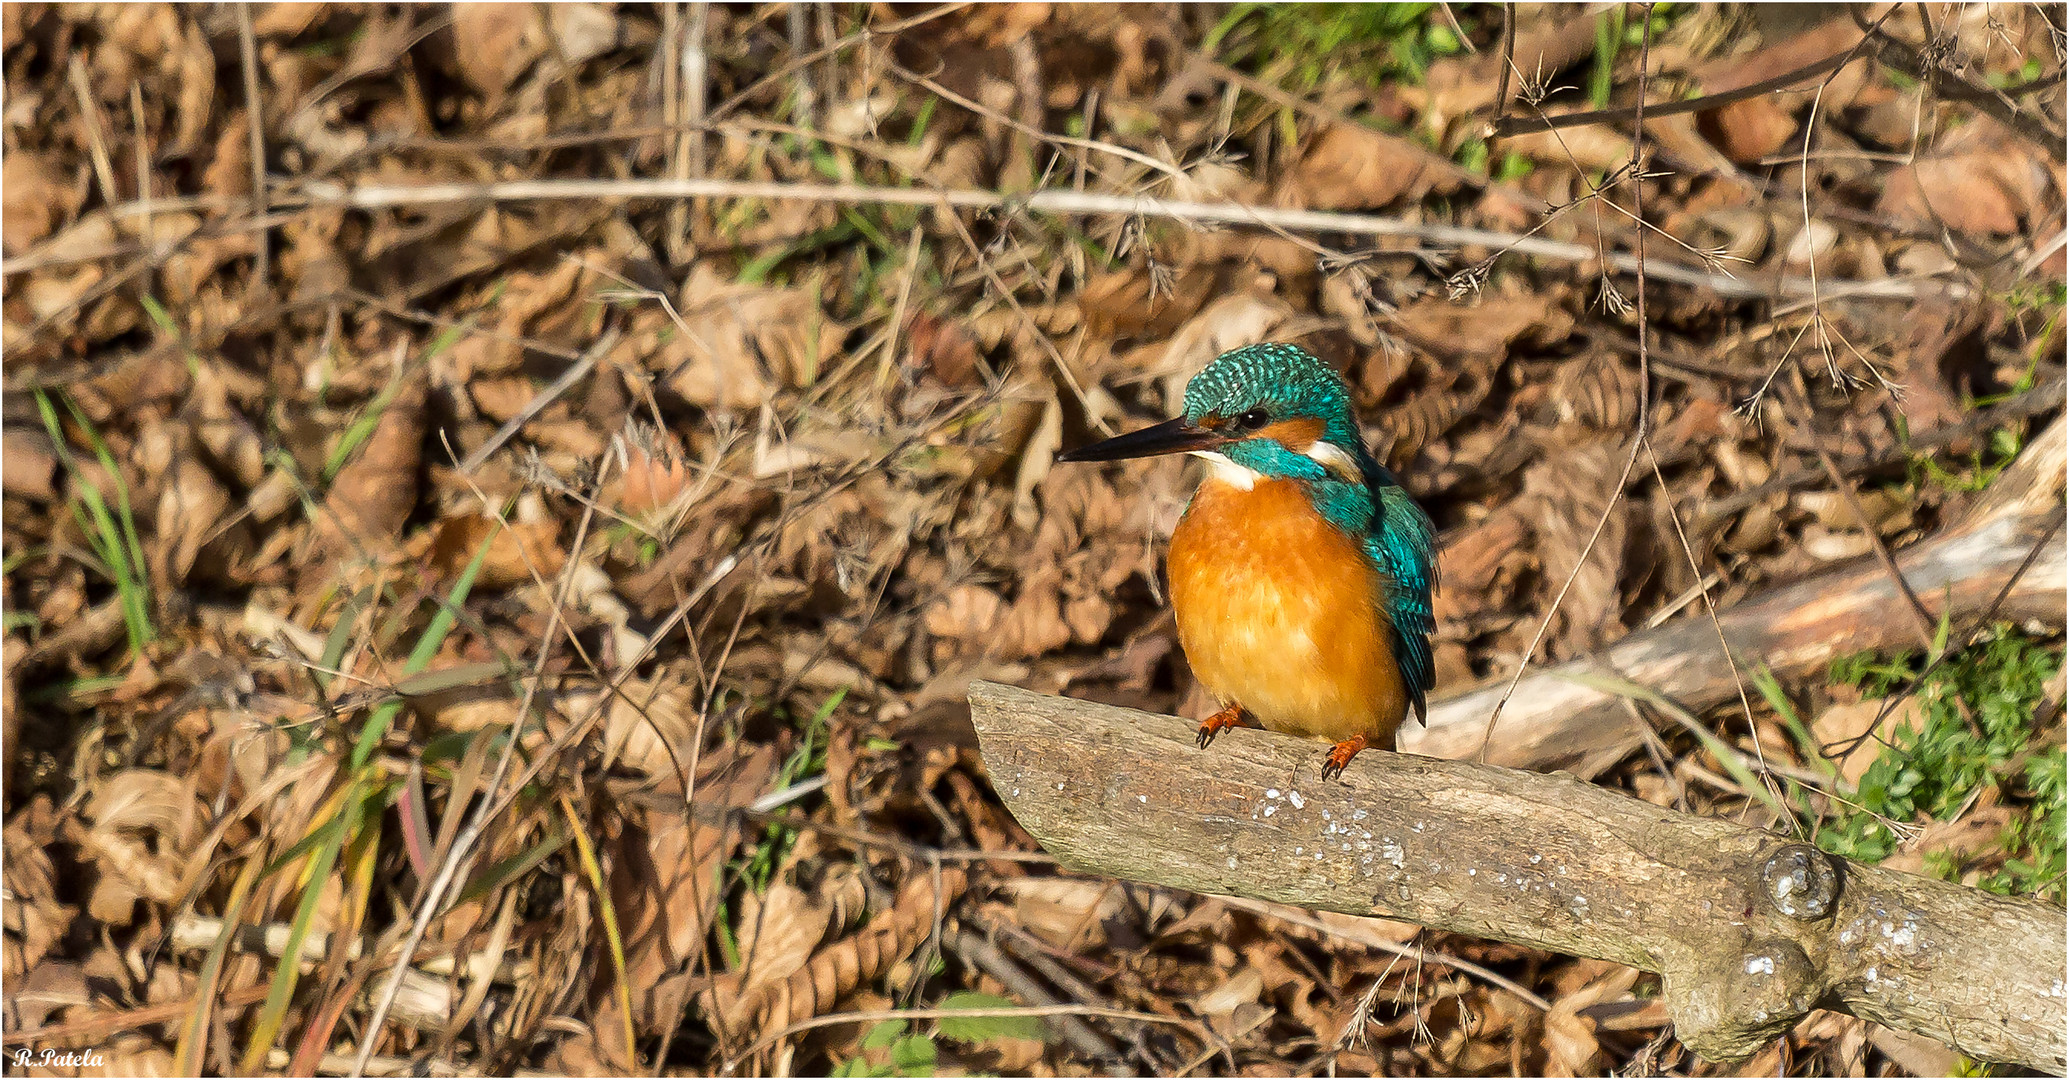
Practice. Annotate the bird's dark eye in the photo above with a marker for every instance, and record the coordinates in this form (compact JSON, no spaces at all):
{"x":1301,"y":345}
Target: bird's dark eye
{"x":1252,"y":420}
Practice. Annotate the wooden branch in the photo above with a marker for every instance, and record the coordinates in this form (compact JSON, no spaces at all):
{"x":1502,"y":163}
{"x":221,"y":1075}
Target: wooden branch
{"x":1748,"y":931}
{"x":1554,"y":722}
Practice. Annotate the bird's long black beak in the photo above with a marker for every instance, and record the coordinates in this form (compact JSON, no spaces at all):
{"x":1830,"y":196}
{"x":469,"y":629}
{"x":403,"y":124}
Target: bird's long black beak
{"x":1170,"y":437}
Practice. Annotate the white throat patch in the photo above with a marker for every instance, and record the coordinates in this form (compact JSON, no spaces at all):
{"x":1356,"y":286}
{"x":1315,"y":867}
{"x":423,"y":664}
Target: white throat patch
{"x":1228,"y":472}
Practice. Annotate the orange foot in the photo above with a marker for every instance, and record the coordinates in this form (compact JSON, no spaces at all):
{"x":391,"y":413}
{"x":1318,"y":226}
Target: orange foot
{"x":1341,"y":754}
{"x":1226,"y":718}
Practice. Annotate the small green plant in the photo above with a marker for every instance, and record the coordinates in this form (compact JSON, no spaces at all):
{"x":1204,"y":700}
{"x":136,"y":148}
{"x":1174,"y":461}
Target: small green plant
{"x":1371,"y":42}
{"x":1976,"y":713}
{"x":900,"y":1052}
{"x":1613,"y":34}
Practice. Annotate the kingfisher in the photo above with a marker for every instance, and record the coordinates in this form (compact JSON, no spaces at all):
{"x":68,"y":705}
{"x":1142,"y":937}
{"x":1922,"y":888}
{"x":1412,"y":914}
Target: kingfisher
{"x":1301,"y":572}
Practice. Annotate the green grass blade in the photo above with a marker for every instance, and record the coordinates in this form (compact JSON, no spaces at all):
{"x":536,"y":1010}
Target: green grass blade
{"x":510,"y":869}
{"x":341,"y":636}
{"x":610,"y":921}
{"x":333,"y":835}
{"x":1726,"y":755}
{"x":420,"y":657}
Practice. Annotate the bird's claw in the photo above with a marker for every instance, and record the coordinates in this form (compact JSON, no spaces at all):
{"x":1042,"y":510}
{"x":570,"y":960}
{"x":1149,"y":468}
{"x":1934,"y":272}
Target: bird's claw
{"x":1226,"y":718}
{"x":1341,"y":754}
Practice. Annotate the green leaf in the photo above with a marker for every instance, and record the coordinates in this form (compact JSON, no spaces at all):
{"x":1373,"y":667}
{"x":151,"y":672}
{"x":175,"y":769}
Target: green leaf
{"x":914,"y":1055}
{"x":983,"y":1029}
{"x":882,"y":1034}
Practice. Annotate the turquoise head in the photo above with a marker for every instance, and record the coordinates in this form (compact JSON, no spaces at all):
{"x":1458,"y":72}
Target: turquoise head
{"x":1272,"y":410}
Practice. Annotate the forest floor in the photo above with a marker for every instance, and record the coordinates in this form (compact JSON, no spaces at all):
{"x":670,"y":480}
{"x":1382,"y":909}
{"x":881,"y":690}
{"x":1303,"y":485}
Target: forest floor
{"x":343,"y":445}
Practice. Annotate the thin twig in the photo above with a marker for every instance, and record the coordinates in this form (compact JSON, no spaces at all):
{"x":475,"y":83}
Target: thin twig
{"x":373,"y":197}
{"x":1523,"y":125}
{"x":540,"y":401}
{"x":248,"y":59}
{"x":1921,"y":619}
{"x":1299,"y":917}
{"x":1501,"y":88}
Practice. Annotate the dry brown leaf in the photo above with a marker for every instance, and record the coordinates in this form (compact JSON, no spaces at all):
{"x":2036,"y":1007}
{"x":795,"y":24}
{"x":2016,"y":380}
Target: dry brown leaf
{"x":737,"y":343}
{"x":286,"y":19}
{"x":516,"y":551}
{"x":1980,"y":179}
{"x":648,"y":728}
{"x":1845,"y":727}
{"x":1548,"y":38}
{"x":28,"y":464}
{"x":1349,"y":167}
{"x":34,"y":919}
{"x":1064,"y":911}
{"x":1976,"y":835}
{"x":143,"y":825}
{"x":1564,"y":496}
{"x":1244,"y":318}
{"x":1746,"y":131}
{"x":1483,"y":331}
{"x":375,"y":491}
{"x":860,"y":958}
{"x":35,"y":198}
{"x":667,"y":890}
{"x":777,"y":932}
{"x":494,"y":43}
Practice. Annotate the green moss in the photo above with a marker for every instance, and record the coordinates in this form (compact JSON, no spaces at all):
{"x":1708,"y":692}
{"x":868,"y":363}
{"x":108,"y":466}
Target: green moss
{"x":1977,"y":712}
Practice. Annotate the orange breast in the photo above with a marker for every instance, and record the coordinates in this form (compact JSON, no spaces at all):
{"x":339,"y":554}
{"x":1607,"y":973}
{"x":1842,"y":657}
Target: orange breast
{"x":1278,"y":611}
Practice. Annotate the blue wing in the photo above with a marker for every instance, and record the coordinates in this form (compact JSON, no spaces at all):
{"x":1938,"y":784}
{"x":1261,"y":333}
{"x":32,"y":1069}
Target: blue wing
{"x":1401,"y":539}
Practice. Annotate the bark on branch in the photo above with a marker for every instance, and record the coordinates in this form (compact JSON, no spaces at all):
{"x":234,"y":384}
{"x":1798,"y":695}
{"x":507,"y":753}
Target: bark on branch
{"x":1747,"y":930}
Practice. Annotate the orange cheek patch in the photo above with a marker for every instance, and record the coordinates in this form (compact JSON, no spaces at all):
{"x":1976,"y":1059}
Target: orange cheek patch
{"x":1296,"y":434}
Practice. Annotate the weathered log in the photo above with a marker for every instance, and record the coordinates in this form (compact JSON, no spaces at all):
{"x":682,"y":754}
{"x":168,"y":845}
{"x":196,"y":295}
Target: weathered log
{"x":1554,"y":722}
{"x":1747,"y":930}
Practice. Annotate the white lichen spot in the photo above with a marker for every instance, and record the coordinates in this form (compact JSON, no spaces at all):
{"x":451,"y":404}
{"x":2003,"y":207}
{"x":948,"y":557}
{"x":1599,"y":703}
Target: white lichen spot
{"x":1300,"y":851}
{"x":1501,"y":879}
{"x":1142,"y":798}
{"x":1357,"y":815}
{"x":1759,"y":965}
{"x":1535,"y":859}
{"x":1579,"y":904}
{"x":1271,"y":793}
{"x":1318,"y":855}
{"x":1016,"y":793}
{"x":1472,"y":871}
{"x":1300,"y":803}
{"x":1059,"y":785}
{"x":2058,"y":990}
{"x":1325,"y":814}
{"x":1268,"y":810}
{"x":1393,"y":853}
{"x":1904,"y":935}
{"x":1232,"y":862}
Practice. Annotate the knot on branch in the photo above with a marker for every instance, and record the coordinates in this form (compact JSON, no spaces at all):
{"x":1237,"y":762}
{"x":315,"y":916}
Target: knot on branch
{"x":1802,"y":881}
{"x":1729,"y":1003}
